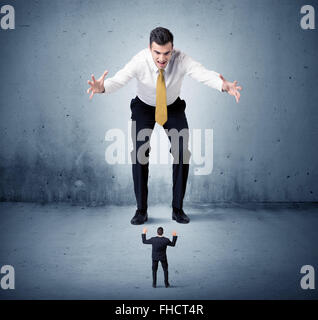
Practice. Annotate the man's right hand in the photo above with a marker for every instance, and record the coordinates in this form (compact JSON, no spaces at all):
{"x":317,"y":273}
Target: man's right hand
{"x":174,"y":233}
{"x":144,"y":230}
{"x":97,"y":86}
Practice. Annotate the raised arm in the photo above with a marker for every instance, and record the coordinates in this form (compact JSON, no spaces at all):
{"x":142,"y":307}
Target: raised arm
{"x":174,"y":239}
{"x":143,"y":237}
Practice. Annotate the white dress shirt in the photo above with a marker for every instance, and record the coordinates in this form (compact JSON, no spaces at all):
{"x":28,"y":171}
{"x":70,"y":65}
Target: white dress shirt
{"x":143,"y":68}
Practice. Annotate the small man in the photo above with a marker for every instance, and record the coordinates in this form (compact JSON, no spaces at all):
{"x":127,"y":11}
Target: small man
{"x":159,"y":248}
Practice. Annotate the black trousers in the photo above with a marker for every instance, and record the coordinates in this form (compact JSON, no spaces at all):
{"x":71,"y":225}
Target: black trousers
{"x":164,"y":264}
{"x":143,"y":117}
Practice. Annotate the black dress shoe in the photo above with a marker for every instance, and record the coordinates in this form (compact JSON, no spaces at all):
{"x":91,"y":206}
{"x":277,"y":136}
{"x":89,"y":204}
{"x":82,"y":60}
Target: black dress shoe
{"x":180,"y":216}
{"x":167,"y":285}
{"x":139,"y":218}
{"x":154,"y":285}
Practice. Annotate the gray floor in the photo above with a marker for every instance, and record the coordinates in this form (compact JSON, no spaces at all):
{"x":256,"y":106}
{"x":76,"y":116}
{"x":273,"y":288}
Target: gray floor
{"x":228,"y":251}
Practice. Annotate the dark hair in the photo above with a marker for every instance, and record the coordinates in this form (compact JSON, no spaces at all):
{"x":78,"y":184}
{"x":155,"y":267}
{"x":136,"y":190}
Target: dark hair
{"x":161,"y":36}
{"x":160,"y":231}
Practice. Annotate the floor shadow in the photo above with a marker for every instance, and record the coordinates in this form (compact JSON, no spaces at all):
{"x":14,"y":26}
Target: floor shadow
{"x":171,"y":287}
{"x":195,"y":217}
{"x":208,"y":217}
{"x":158,"y":220}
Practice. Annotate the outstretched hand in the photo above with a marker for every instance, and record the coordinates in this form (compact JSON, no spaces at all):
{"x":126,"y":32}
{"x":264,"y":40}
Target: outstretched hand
{"x":231,"y":88}
{"x":174,"y":233}
{"x":144,"y":230}
{"x":97,"y":86}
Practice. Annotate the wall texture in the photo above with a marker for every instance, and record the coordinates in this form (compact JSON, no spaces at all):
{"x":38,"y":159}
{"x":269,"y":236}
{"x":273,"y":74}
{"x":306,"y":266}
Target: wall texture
{"x":52,"y":137}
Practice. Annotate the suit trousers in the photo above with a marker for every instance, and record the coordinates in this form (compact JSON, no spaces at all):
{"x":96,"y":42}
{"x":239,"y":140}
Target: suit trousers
{"x":177,"y":130}
{"x":164,"y":264}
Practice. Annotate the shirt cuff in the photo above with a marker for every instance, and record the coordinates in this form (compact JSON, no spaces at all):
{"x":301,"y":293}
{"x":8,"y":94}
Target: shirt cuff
{"x":219,"y":83}
{"x":105,"y":85}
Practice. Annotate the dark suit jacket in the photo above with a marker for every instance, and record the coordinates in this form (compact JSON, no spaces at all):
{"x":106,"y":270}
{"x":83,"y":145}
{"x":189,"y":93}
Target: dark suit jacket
{"x":159,"y":246}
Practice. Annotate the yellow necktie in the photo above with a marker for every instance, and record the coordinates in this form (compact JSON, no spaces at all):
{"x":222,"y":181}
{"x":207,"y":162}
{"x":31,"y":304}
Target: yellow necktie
{"x":161,"y":100}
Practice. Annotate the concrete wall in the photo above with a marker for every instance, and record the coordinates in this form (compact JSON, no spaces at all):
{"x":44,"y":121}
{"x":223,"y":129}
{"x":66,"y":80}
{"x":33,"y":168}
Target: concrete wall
{"x":52,"y":145}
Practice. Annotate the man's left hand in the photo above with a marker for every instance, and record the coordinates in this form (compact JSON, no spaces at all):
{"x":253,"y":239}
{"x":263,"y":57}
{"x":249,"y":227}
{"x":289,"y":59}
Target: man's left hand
{"x":231,"y":88}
